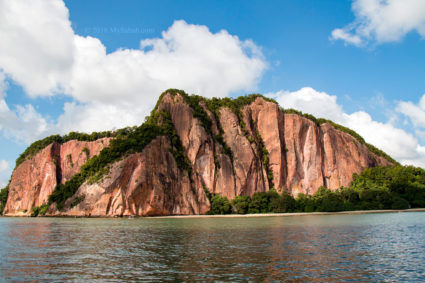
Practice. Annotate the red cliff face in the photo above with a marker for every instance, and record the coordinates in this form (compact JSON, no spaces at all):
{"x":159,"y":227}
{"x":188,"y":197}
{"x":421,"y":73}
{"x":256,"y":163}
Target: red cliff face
{"x":302,"y":156}
{"x":35,"y":179}
{"x":142,"y":184}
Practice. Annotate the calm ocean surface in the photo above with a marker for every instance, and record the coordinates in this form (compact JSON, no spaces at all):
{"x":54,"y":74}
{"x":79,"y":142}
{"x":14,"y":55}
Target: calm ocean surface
{"x":367,"y":247}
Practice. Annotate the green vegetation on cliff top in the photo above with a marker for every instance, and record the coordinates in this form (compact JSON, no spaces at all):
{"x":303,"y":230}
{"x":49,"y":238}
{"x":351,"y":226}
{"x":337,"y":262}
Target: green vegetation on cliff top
{"x":134,"y":139}
{"x":320,"y":121}
{"x":37,"y":146}
{"x":213,"y":104}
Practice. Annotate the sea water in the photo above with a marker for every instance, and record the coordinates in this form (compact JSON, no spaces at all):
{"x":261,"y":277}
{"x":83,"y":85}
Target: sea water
{"x":365,"y":247}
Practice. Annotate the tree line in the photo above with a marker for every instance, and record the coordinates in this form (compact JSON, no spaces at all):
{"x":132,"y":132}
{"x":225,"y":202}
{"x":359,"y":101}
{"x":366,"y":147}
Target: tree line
{"x":392,"y":187}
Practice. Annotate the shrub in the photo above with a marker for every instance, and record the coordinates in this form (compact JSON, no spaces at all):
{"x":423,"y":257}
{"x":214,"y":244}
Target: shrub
{"x":37,"y":146}
{"x":86,"y":151}
{"x":240,"y":204}
{"x":259,"y":203}
{"x":39,"y":210}
{"x":3,"y":198}
{"x":341,"y":128}
{"x":400,"y":203}
{"x":77,"y":200}
{"x":281,"y":203}
{"x":220,"y":205}
{"x":127,"y":141}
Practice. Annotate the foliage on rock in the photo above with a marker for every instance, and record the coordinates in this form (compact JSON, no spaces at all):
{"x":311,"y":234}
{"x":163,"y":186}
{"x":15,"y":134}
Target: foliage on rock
{"x":391,"y":187}
{"x":359,"y":138}
{"x":3,"y":198}
{"x":37,"y":146}
{"x":126,"y":142}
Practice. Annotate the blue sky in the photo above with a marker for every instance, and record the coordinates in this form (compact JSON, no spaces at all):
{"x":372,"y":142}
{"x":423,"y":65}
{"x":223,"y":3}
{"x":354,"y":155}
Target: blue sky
{"x":95,"y":65}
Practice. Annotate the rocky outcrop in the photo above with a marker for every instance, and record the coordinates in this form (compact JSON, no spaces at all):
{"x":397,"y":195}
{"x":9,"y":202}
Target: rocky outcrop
{"x":35,"y":179}
{"x":142,"y":184}
{"x":268,"y":149}
{"x":322,"y":156}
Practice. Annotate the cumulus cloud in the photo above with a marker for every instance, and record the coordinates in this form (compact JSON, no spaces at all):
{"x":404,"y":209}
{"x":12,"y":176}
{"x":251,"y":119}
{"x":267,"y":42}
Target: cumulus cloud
{"x":99,"y":116}
{"x":23,"y":124}
{"x":120,"y":88}
{"x":310,"y":101}
{"x":41,"y":52}
{"x":344,"y":35}
{"x":415,"y":112}
{"x":37,"y":45}
{"x":382,"y":21}
{"x":398,"y":143}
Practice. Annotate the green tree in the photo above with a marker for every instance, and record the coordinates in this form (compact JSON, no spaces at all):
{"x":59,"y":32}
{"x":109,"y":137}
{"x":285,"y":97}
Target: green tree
{"x":220,"y":205}
{"x":281,"y":203}
{"x":240,"y":204}
{"x":305,"y":203}
{"x":259,"y":203}
{"x":328,"y":201}
{"x":3,"y":198}
{"x":400,"y":203}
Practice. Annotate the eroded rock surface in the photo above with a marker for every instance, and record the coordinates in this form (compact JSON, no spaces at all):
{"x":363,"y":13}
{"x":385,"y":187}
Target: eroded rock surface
{"x":302,"y":156}
{"x":142,"y":184}
{"x":35,"y":179}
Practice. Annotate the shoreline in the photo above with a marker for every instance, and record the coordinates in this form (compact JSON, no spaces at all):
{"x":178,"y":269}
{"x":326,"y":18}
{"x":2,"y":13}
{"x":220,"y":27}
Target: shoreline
{"x":353,"y":212}
{"x":288,"y":214}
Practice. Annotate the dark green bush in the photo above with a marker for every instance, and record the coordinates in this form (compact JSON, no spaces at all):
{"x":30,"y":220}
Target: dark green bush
{"x":281,"y":203}
{"x":3,"y":198}
{"x":400,"y":203}
{"x":86,"y":151}
{"x":259,"y":203}
{"x":39,"y":210}
{"x":126,"y":141}
{"x":240,"y":204}
{"x":220,"y":205}
{"x":37,"y":146}
{"x":77,"y":200}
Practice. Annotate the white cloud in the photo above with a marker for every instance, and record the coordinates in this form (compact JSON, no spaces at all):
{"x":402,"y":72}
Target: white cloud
{"x":401,"y":145}
{"x":23,"y":124}
{"x":416,"y":113}
{"x":42,"y":53}
{"x":344,"y":35}
{"x":311,"y":101}
{"x":383,"y":21}
{"x":120,"y":88}
{"x":4,"y":166}
{"x":37,"y":44}
{"x":100,"y":117}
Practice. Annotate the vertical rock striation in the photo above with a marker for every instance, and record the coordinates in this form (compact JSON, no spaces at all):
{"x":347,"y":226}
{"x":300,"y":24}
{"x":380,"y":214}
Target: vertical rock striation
{"x":35,"y":179}
{"x":269,"y":149}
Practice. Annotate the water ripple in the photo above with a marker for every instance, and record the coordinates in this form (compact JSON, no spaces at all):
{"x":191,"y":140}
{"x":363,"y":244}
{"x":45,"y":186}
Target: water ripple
{"x":372,"y":247}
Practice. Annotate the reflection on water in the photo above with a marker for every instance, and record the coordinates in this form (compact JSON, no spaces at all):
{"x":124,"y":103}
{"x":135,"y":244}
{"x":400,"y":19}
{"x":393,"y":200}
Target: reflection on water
{"x":370,"y":247}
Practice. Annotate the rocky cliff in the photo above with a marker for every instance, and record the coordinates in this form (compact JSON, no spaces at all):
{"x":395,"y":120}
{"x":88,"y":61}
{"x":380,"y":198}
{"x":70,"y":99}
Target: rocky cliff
{"x":35,"y":179}
{"x":230,"y":147}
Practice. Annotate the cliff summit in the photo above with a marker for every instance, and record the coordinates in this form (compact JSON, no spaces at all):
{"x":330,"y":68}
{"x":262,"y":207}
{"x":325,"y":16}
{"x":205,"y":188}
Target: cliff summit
{"x":188,"y":149}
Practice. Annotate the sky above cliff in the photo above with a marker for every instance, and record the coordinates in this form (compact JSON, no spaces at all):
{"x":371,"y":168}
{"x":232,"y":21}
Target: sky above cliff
{"x":99,"y":65}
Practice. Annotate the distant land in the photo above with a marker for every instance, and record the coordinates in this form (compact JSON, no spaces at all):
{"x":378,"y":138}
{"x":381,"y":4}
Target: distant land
{"x":195,"y":155}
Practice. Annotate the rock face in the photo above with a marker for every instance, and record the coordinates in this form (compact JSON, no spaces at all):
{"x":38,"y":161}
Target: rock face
{"x":142,"y":184}
{"x":268,"y":149}
{"x":35,"y":179}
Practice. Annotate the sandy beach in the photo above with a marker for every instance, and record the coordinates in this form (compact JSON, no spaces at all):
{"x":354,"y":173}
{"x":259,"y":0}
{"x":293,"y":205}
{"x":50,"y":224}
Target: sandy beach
{"x":294,"y":213}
